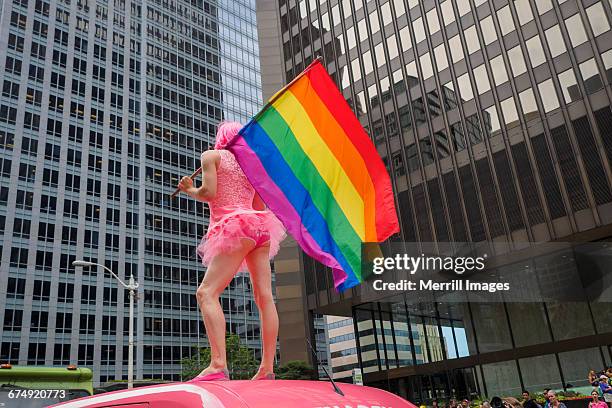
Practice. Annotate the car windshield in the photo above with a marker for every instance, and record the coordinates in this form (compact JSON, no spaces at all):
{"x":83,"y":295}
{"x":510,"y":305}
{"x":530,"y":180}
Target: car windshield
{"x":19,"y":397}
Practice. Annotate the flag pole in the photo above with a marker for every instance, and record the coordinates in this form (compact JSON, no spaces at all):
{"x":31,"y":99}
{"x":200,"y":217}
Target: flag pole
{"x":272,"y":99}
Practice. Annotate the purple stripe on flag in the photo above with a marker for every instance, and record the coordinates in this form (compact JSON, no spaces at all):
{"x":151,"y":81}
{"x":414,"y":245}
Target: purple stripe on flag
{"x":278,"y":203}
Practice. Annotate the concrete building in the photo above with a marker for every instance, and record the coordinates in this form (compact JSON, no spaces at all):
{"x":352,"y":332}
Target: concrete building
{"x":493,"y":118}
{"x":105,"y":104}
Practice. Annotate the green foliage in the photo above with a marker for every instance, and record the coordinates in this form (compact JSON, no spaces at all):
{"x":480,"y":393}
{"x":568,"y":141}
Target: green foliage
{"x":241,"y":363}
{"x":296,"y":370}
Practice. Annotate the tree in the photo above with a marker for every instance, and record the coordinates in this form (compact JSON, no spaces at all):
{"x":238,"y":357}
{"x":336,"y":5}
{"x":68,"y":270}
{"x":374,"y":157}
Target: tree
{"x":241,"y":362}
{"x":296,"y":370}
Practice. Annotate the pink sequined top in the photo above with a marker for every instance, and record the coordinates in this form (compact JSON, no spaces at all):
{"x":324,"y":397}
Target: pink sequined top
{"x":234,"y":191}
{"x":233,"y":217}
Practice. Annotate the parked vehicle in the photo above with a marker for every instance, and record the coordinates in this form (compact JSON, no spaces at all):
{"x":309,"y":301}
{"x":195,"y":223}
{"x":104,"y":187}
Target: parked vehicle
{"x":244,"y":394}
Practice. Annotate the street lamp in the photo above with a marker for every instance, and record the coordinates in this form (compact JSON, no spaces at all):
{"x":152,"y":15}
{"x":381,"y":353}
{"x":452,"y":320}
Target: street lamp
{"x":131,"y":286}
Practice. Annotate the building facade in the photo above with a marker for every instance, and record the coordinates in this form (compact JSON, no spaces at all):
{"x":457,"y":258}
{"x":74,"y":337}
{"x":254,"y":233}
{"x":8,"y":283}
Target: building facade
{"x":105,"y":105}
{"x":493,"y":118}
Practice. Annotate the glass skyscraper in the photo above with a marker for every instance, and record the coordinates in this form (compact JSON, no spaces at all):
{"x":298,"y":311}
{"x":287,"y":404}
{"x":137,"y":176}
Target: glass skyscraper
{"x":493,"y":118}
{"x":105,"y":104}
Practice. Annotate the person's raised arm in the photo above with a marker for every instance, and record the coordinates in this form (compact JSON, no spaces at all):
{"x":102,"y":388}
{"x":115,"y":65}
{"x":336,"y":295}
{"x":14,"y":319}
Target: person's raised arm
{"x":208,"y":190}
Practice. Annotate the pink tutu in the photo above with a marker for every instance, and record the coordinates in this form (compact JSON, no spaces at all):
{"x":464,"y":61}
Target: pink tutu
{"x":224,"y":234}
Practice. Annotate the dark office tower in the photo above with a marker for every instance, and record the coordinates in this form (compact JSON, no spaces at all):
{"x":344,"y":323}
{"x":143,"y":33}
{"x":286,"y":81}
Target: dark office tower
{"x":493,"y":118}
{"x":105,"y":104}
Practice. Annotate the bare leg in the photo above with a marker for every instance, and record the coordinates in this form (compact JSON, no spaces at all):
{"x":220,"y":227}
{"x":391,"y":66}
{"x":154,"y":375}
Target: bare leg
{"x":261,"y":279}
{"x":219,"y":274}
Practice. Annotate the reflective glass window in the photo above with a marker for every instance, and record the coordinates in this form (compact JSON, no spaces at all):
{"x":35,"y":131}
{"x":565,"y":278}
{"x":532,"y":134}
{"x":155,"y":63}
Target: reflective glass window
{"x":529,"y":319}
{"x":481,"y":78}
{"x":491,"y":119}
{"x":555,"y":40}
{"x":491,"y":326}
{"x":575,"y":363}
{"x":346,"y":8}
{"x":350,"y":37}
{"x":499,"y":70}
{"x":517,"y":62}
{"x":357,"y":4}
{"x":426,"y":66}
{"x":379,"y":52}
{"x":576,"y":30}
{"x":502,"y":378}
{"x":465,"y":87}
{"x":471,"y":39}
{"x":413,"y":3}
{"x":399,"y":7}
{"x":548,"y":95}
{"x":536,"y":52}
{"x":335,"y":15}
{"x":463,"y":6}
{"x":543,"y":6}
{"x":607,"y":60}
{"x":456,"y":49}
{"x":367,"y":62}
{"x":590,"y":75}
{"x":411,"y":69}
{"x":509,"y":111}
{"x":355,"y":67}
{"x":541,"y":370}
{"x":576,"y":312}
{"x":488,"y":30}
{"x":528,"y":102}
{"x":504,"y":15}
{"x":392,"y":47}
{"x":405,"y":38}
{"x":385,"y":12}
{"x":569,"y":86}
{"x":598,"y":19}
{"x":374,"y":24}
{"x":362,"y":27}
{"x":440,"y":56}
{"x":432,"y":21}
{"x":448,"y":13}
{"x":523,"y":10}
{"x":419,"y":30}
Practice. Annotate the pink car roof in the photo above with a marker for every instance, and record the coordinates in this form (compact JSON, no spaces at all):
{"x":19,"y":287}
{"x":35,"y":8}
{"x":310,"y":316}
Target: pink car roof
{"x":244,"y":394}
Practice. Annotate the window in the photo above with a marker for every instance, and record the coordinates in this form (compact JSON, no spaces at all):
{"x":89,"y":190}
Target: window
{"x":432,"y":21}
{"x":576,"y":30}
{"x":597,"y":19}
{"x":481,"y":79}
{"x":69,"y":235}
{"x":448,"y":14}
{"x":454,"y":44}
{"x":471,"y":39}
{"x":523,"y":10}
{"x":42,"y":290}
{"x":555,"y":40}
{"x":498,"y":68}
{"x":543,"y":6}
{"x":517,"y":62}
{"x":548,"y":95}
{"x":488,"y":30}
{"x":465,"y":87}
{"x":419,"y":30}
{"x":536,"y":52}
{"x":440,"y":56}
{"x":27,"y":172}
{"x":590,"y":76}
{"x":48,"y":204}
{"x":24,"y":200}
{"x":569,"y":86}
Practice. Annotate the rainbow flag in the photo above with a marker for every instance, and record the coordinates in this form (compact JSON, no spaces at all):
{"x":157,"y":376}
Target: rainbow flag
{"x":315,"y":167}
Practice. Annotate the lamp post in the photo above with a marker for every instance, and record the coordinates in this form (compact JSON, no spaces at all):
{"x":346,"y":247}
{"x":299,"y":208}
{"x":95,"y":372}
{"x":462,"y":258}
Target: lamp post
{"x":131,"y":286}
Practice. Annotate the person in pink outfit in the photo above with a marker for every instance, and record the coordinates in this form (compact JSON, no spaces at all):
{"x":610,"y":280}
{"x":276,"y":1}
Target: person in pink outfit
{"x":596,"y":402}
{"x":241,"y":234}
